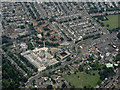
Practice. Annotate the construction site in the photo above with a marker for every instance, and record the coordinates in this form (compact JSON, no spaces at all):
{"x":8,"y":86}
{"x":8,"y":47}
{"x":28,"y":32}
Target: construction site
{"x":40,"y":58}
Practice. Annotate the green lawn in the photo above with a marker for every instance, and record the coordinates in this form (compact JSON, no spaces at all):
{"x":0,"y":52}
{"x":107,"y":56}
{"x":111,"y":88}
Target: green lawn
{"x":83,"y":79}
{"x":112,"y":21}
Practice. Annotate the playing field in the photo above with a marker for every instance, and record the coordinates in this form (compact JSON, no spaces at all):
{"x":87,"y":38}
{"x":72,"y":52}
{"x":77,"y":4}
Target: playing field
{"x":112,"y":22}
{"x":81,"y":79}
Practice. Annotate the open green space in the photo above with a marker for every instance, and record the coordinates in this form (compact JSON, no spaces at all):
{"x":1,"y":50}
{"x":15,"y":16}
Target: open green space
{"x":112,"y":22}
{"x":81,"y":79}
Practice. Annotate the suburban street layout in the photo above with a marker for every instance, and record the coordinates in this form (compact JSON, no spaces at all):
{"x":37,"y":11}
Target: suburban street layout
{"x":56,"y":45}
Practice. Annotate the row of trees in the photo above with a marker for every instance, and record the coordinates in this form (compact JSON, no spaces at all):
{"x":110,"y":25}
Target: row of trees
{"x":105,"y":72}
{"x":35,"y":10}
{"x":54,"y":66}
{"x":53,"y":38}
{"x":7,"y":41}
{"x":101,"y":17}
{"x":114,"y":30}
{"x":11,"y":77}
{"x":40,"y":23}
{"x":68,"y":59}
{"x":68,"y":20}
{"x":30,"y":11}
{"x":4,"y":48}
{"x":23,"y":36}
{"x":48,"y":43}
{"x":27,"y":63}
{"x":68,"y":38}
{"x":19,"y":63}
{"x":92,"y":36}
{"x":46,"y":28}
{"x":30,"y":46}
{"x":31,"y":27}
{"x":95,"y":9}
{"x":22,"y":26}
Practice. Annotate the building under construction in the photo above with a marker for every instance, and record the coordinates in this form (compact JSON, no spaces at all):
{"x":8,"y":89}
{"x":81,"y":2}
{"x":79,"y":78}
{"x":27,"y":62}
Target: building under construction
{"x":40,"y":58}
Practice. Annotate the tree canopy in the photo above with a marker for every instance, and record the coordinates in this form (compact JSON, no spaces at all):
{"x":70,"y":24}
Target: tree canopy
{"x":118,"y":35}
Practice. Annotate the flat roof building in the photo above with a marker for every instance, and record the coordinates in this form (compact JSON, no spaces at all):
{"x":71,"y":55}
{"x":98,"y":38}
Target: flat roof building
{"x":108,"y":65}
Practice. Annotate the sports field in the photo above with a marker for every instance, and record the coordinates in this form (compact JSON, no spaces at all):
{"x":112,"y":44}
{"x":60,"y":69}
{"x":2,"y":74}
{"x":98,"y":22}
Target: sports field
{"x":81,"y":79}
{"x":112,"y":22}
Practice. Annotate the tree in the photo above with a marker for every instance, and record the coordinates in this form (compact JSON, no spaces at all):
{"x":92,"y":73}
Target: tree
{"x":43,"y":39}
{"x":117,"y":57}
{"x":51,"y":19}
{"x":61,"y":38}
{"x":7,"y":40}
{"x":63,"y":85}
{"x":13,"y":11}
{"x":99,"y":58}
{"x":118,"y":35}
{"x":106,"y":72}
{"x":72,"y":86}
{"x":53,"y":80}
{"x":31,"y":26}
{"x":40,"y":23}
{"x":107,"y":25}
{"x":86,"y":71}
{"x":22,"y":26}
{"x":90,"y":58}
{"x":85,"y":87}
{"x":79,"y":17}
{"x":49,"y":87}
{"x":75,"y":72}
{"x":68,"y":59}
{"x":44,"y":75}
{"x":69,"y":39}
{"x":48,"y":34}
{"x":46,"y":28}
{"x":42,"y":33}
{"x":30,"y":86}
{"x":4,"y":48}
{"x":30,"y":46}
{"x":80,"y":68}
{"x":102,"y":24}
{"x":33,"y":82}
{"x":93,"y":74}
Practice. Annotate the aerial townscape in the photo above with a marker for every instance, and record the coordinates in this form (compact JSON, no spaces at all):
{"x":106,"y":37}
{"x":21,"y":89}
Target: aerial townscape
{"x":60,"y":44}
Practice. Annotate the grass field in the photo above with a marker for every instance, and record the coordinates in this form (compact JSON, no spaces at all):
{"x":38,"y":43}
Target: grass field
{"x":112,"y":21}
{"x":81,"y":79}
